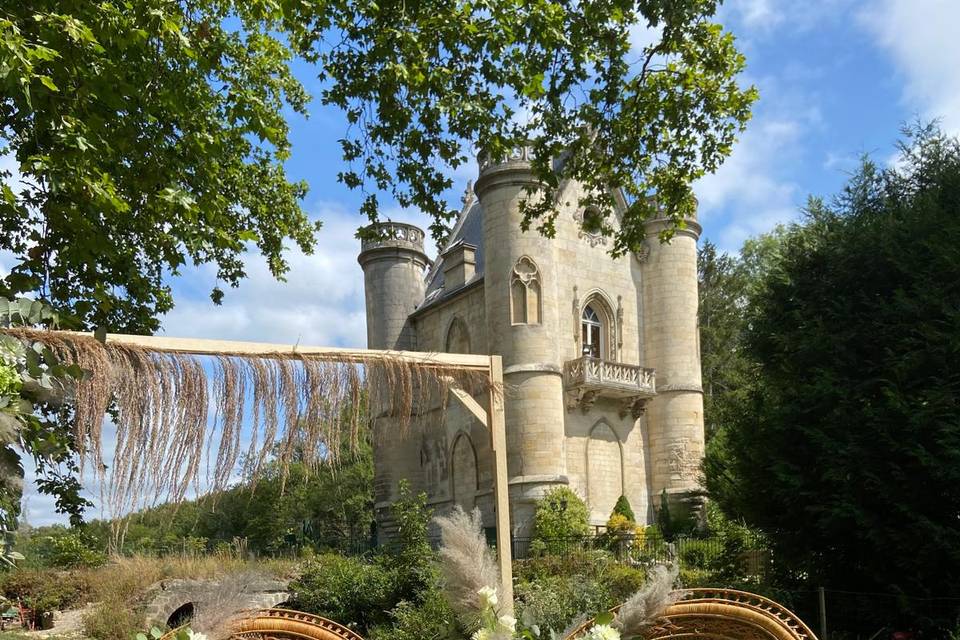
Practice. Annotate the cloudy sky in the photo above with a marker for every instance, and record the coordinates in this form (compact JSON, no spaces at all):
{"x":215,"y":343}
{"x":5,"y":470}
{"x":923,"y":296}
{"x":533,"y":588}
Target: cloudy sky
{"x":837,"y":78}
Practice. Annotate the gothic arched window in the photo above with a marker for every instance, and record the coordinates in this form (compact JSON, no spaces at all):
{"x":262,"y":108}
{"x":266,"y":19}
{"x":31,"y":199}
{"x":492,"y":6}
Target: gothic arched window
{"x":525,"y":292}
{"x":591,"y":333}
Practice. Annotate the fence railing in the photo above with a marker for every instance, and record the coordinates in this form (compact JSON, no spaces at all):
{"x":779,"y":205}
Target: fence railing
{"x":640,"y":550}
{"x":688,"y":551}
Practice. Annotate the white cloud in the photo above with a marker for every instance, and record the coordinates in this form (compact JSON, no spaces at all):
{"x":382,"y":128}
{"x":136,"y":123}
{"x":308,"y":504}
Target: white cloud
{"x":321,"y":302}
{"x":921,"y":37}
{"x":747,"y":187}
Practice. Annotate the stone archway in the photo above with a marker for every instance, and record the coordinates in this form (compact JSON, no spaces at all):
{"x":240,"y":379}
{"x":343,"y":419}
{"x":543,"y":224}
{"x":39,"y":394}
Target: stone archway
{"x":170,"y":600}
{"x":181,"y":615}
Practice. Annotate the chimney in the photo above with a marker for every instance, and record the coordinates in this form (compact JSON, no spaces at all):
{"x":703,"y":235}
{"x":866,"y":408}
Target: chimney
{"x":459,"y":265}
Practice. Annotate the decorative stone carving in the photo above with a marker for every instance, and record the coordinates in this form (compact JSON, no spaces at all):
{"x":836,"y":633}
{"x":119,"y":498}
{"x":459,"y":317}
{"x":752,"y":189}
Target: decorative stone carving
{"x":643,"y":253}
{"x":593,"y":238}
{"x":634,"y":407}
{"x":582,"y":399}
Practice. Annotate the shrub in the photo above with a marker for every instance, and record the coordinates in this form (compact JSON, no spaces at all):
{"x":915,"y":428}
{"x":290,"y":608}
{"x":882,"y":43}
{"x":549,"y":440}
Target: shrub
{"x":351,"y":591}
{"x":560,"y":515}
{"x":411,"y":559}
{"x":72,"y":549}
{"x":433,"y":618}
{"x":552,"y":603}
{"x":113,"y":620}
{"x":696,"y":554}
{"x":45,"y":591}
{"x":365,"y":594}
{"x":622,"y":581}
{"x":623,"y":508}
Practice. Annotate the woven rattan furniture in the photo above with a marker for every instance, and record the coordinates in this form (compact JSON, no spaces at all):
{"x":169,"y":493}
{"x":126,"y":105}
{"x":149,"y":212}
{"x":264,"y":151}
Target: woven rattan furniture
{"x":724,"y":614}
{"x":284,"y":624}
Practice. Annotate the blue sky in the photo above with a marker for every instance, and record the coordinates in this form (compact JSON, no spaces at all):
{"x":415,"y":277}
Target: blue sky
{"x":837,"y":78}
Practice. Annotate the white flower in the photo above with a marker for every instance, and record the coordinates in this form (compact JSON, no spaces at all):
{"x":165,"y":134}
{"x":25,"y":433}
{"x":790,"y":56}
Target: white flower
{"x":193,"y":635}
{"x":488,"y":598}
{"x":482,"y":634}
{"x":603,"y":632}
{"x":509,"y":623}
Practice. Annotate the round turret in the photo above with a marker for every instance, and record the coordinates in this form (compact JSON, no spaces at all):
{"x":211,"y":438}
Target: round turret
{"x":393,"y":262}
{"x":523,"y":322}
{"x":670,"y":335}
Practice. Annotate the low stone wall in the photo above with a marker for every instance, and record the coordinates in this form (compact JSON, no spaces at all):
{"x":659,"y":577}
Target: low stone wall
{"x":232,"y":592}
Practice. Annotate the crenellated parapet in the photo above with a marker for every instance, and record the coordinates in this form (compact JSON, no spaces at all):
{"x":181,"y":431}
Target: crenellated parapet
{"x":398,"y":235}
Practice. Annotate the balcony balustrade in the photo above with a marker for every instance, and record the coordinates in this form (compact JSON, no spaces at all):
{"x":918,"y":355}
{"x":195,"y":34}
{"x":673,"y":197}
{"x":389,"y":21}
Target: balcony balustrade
{"x":589,"y":378}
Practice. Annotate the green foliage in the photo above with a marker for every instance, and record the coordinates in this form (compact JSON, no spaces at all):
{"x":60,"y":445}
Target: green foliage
{"x":44,"y":591}
{"x":110,"y":620}
{"x":350,"y":590}
{"x":72,"y":550}
{"x":32,"y":416}
{"x":623,"y":508}
{"x":148,"y":134}
{"x":392,"y":589}
{"x":152,"y":134}
{"x":846,"y":449}
{"x":552,"y":591}
{"x":447,"y":76}
{"x":432,"y":619}
{"x":560,"y":515}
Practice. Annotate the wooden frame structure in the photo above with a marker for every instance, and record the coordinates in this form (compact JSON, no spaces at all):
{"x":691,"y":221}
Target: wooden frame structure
{"x":491,"y":417}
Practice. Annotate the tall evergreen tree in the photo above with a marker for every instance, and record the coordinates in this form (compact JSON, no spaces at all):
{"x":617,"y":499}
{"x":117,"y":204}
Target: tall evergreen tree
{"x":846,"y":445}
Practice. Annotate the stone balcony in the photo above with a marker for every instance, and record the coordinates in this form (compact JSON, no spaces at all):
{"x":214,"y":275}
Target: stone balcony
{"x":586,"y":379}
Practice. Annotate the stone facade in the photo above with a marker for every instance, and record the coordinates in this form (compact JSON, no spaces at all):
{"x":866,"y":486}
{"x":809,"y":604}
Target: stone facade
{"x":601,"y":355}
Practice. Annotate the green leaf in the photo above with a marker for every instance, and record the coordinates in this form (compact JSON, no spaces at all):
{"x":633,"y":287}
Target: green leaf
{"x":47,"y":81}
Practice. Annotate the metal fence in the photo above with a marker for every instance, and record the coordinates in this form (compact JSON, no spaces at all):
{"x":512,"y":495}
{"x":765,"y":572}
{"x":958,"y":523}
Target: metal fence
{"x":690,"y":552}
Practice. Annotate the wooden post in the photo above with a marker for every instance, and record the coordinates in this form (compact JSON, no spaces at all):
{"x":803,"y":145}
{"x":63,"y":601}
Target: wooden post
{"x":823,"y":613}
{"x":501,"y":490}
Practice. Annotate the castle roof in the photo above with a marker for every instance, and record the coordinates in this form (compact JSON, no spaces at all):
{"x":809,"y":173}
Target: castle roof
{"x":467,"y":230}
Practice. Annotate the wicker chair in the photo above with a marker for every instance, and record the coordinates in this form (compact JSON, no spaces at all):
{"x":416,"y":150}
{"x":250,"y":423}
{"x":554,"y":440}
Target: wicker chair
{"x":724,"y":614}
{"x":284,"y":624}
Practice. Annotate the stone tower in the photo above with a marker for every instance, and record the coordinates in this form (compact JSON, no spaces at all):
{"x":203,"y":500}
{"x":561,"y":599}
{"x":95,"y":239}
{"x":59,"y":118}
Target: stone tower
{"x":393,"y":284}
{"x":523,"y":324}
{"x":672,"y":347}
{"x":393,"y":268}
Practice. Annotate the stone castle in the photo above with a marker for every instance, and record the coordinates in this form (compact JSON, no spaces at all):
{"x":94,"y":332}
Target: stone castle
{"x":601,"y":355}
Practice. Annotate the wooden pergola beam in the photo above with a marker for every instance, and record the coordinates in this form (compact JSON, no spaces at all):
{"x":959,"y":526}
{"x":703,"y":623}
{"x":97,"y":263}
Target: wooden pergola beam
{"x":207,"y":347}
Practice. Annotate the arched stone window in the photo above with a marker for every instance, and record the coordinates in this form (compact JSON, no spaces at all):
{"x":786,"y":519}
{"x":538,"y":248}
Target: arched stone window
{"x":464,"y":477}
{"x":597,"y":337}
{"x":458,"y":337}
{"x":525,"y":292}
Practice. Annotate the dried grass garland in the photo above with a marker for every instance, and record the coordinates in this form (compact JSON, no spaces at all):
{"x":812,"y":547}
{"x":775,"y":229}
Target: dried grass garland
{"x":171,"y":413}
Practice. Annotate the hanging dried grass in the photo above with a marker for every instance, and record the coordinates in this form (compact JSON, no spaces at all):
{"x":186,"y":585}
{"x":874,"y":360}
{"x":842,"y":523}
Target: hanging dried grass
{"x":172,"y":413}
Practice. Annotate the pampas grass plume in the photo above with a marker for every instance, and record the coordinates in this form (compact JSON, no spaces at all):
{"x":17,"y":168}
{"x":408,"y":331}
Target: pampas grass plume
{"x":640,"y":612}
{"x":467,"y":563}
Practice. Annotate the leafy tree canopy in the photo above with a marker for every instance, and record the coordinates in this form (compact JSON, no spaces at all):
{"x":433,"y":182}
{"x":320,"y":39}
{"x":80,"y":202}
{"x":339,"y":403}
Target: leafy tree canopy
{"x":846,"y":448}
{"x":150,"y":133}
